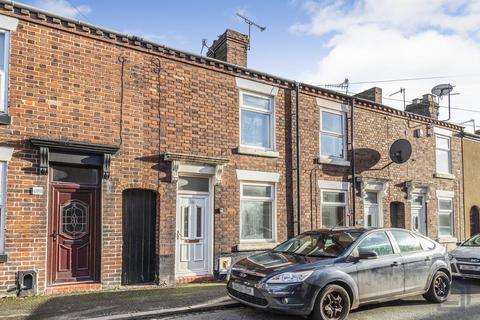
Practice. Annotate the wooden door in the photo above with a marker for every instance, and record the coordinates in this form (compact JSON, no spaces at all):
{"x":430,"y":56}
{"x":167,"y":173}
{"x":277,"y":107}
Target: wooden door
{"x":474,"y":221}
{"x":139,"y":225}
{"x":74,"y":234}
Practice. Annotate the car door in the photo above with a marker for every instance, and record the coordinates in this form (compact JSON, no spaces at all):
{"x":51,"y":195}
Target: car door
{"x":416,"y":260}
{"x":379,"y":277}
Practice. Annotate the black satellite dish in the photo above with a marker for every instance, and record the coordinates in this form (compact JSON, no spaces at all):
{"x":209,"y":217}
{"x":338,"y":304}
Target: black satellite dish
{"x":400,"y":151}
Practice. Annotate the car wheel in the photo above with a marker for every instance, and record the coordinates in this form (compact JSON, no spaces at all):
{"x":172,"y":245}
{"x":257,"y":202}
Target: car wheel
{"x":439,"y":289}
{"x":333,"y":303}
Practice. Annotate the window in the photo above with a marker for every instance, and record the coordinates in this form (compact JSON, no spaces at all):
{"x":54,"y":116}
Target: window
{"x":332,"y":134}
{"x":257,"y":208}
{"x":445,"y":214}
{"x":407,"y":242}
{"x":3,"y":191}
{"x":4,"y":63}
{"x":443,"y":154}
{"x":256,"y":121}
{"x":334,"y":208}
{"x":198,"y":184}
{"x":377,"y":242}
{"x":72,"y":174}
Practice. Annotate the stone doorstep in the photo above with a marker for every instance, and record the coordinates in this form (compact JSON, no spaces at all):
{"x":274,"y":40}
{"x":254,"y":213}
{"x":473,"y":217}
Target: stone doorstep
{"x":173,"y":311}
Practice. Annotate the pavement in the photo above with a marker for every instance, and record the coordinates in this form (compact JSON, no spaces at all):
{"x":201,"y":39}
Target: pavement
{"x":464,"y":304}
{"x":118,"y":305}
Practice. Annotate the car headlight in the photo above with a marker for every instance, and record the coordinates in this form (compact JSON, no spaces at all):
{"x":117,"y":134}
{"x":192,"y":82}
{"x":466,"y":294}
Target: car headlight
{"x":290,"y":277}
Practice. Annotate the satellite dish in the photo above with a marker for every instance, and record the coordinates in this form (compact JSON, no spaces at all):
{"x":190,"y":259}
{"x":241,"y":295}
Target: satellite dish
{"x":400,"y":151}
{"x":442,"y":89}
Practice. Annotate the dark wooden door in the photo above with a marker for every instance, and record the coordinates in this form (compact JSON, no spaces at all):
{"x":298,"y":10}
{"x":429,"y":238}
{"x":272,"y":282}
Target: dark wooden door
{"x":474,"y":221}
{"x":74,"y":234}
{"x":139,"y":222}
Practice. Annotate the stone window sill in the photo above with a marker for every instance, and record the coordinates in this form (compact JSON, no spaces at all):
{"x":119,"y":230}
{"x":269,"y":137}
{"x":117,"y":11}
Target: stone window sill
{"x":256,"y":246}
{"x":333,"y":161}
{"x":258,"y":152}
{"x":444,"y":176}
{"x":3,"y":258}
{"x":5,"y":119}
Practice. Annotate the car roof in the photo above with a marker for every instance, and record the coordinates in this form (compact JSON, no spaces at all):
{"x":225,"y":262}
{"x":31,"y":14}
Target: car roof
{"x":351,"y":229}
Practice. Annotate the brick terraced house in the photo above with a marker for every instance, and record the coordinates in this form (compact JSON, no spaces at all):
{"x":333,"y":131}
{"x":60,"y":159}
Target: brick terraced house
{"x":123,"y":161}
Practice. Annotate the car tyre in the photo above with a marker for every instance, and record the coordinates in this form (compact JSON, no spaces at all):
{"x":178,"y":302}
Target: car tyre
{"x":440,"y":287}
{"x":333,"y":303}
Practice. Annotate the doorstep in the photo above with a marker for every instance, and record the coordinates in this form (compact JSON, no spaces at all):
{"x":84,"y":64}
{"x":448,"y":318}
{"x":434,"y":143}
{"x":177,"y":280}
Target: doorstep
{"x":194,"y":279}
{"x":73,"y":288}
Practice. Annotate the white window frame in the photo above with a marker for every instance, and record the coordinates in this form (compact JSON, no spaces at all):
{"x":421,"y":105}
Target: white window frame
{"x":3,"y":203}
{"x":272,"y":199}
{"x":450,"y":212}
{"x":4,"y":74}
{"x":336,"y":204}
{"x":449,"y":150}
{"x":271,"y":112}
{"x":343,"y":114}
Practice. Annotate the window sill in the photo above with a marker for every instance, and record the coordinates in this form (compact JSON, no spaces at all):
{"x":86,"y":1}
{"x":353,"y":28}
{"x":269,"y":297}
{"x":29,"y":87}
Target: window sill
{"x":256,"y":246}
{"x":257,"y":152}
{"x":444,"y":176}
{"x":335,"y":162}
{"x":3,"y":258}
{"x":5,"y":119}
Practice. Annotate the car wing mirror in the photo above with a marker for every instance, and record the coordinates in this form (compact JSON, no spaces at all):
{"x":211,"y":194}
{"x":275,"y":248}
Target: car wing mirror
{"x":365,"y":255}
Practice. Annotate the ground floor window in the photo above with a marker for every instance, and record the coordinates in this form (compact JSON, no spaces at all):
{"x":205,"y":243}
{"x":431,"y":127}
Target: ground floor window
{"x":334,"y":208}
{"x":257,"y":212}
{"x":445,"y":217}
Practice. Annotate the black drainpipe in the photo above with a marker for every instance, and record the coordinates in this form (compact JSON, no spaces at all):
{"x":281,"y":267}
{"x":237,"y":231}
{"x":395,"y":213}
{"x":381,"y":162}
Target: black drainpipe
{"x":352,"y":138}
{"x":297,"y":128}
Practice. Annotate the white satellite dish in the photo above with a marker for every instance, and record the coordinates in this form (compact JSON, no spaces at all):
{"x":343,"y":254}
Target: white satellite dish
{"x":442,"y":89}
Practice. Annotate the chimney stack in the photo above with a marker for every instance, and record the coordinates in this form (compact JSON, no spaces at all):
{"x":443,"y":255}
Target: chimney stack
{"x":231,"y":47}
{"x":426,"y":106}
{"x":373,"y":94}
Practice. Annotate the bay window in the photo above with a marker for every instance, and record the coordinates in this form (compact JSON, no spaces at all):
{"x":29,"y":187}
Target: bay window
{"x":257,"y":212}
{"x":256,"y":121}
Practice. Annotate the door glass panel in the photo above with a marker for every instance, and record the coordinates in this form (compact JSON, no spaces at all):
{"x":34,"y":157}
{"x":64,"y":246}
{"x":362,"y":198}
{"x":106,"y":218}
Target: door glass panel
{"x":417,"y":201}
{"x":193,"y":184}
{"x":371,"y":197}
{"x":186,"y":221}
{"x":377,"y":242}
{"x":79,"y":175}
{"x":199,"y":222}
{"x":74,"y":219}
{"x":406,"y":241}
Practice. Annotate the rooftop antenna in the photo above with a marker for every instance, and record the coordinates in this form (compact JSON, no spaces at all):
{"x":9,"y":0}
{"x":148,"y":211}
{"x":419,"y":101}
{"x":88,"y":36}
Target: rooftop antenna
{"x":343,"y":85}
{"x":250,"y":24}
{"x":402,"y":90}
{"x":441,"y":90}
{"x":473,"y":124}
{"x":204,"y":45}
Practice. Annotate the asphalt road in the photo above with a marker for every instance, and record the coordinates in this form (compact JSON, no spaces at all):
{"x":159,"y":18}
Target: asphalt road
{"x":464,"y":304}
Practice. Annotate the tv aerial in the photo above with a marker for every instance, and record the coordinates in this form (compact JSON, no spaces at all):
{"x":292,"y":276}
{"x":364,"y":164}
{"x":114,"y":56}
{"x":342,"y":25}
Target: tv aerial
{"x":402,"y":91}
{"x":441,"y":90}
{"x":400,"y":151}
{"x":343,"y":85}
{"x":250,"y":24}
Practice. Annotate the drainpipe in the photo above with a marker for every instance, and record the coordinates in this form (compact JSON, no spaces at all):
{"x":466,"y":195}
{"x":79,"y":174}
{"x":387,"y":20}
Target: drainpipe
{"x":352,"y":138}
{"x":297,"y":129}
{"x":465,"y":223}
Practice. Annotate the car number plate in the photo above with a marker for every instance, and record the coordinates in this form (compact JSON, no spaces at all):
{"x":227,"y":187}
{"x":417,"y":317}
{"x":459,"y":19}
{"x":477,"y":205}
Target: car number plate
{"x":470,"y":268}
{"x":241,"y":288}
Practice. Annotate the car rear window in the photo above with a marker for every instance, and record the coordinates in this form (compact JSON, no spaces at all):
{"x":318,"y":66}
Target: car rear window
{"x":406,"y":241}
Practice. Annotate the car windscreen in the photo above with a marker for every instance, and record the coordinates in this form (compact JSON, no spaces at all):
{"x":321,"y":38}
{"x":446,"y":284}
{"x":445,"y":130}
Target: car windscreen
{"x":321,"y":244}
{"x":472,"y":242}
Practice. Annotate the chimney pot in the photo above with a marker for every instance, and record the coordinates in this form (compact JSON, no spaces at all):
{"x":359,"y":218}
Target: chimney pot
{"x":231,"y":47}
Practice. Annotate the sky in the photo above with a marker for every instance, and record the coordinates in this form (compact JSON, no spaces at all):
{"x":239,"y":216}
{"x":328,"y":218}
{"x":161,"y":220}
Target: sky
{"x":322,"y":42}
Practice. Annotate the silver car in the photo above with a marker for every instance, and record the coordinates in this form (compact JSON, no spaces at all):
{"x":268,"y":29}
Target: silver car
{"x":465,"y":259}
{"x":327,"y":273}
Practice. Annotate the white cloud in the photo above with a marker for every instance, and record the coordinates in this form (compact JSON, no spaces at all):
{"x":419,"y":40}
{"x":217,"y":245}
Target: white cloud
{"x":375,"y":40}
{"x":63,"y":7}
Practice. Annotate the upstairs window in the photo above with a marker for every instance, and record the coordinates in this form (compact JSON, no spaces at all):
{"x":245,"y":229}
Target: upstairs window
{"x":443,"y":154}
{"x":332,"y":134}
{"x":256,"y":121}
{"x":4,"y":63}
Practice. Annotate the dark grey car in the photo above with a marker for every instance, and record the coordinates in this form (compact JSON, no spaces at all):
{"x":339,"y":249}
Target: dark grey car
{"x":327,"y":273}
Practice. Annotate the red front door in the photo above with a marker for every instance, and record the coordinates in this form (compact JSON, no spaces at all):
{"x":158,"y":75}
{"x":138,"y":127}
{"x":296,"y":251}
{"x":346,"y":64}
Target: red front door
{"x":74,"y":229}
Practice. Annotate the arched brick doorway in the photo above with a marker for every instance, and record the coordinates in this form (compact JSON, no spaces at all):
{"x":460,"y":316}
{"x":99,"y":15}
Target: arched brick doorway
{"x":474,"y":220}
{"x":397,"y":214}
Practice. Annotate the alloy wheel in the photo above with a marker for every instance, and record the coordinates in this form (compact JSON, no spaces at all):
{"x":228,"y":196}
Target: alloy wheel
{"x":441,"y":286}
{"x":333,"y":305}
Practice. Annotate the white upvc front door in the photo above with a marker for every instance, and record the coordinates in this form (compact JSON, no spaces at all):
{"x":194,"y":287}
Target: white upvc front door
{"x":372,"y":208}
{"x":419,"y":222}
{"x":193,"y":236}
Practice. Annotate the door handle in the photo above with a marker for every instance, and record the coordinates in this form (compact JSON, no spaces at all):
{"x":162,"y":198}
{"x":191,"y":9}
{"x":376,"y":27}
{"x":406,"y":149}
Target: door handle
{"x":395,"y":264}
{"x":54,"y":235}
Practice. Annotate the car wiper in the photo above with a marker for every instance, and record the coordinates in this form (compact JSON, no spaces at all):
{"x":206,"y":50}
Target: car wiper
{"x":326,"y":255}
